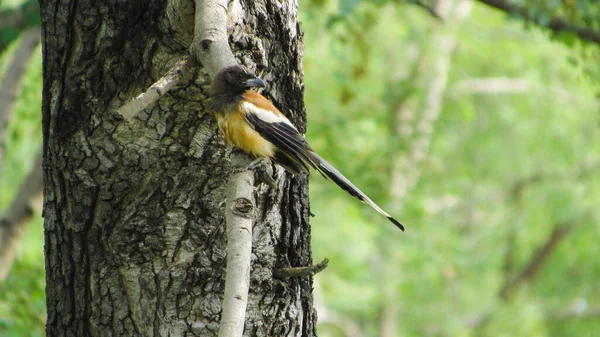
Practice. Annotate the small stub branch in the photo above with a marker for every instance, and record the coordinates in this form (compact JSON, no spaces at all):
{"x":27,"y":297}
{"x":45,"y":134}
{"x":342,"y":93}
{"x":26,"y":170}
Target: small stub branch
{"x":302,"y":271}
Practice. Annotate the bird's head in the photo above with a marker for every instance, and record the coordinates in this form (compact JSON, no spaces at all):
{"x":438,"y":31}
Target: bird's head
{"x":234,"y":80}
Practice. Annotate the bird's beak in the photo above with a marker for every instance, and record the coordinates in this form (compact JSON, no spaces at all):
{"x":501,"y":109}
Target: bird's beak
{"x":255,"y":83}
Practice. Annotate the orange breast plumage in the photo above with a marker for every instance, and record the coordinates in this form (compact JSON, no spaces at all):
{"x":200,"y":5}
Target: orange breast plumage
{"x":238,"y":133}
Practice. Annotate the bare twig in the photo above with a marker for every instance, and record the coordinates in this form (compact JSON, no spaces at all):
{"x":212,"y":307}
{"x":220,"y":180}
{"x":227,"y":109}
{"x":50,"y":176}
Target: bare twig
{"x":130,"y":109}
{"x":302,"y":271}
{"x":556,"y":24}
{"x":18,"y":215}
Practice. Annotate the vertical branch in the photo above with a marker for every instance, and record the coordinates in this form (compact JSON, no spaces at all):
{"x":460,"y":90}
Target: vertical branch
{"x":239,"y":213}
{"x":211,"y":48}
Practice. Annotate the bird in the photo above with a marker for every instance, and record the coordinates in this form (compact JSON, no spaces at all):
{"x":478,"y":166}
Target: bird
{"x":250,"y":122}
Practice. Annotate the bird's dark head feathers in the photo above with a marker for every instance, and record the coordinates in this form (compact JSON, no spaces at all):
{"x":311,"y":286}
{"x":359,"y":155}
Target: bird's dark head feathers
{"x":234,"y":80}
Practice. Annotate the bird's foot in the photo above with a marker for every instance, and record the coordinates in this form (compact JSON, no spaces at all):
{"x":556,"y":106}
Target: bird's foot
{"x":257,"y":163}
{"x":266,"y":178}
{"x":262,"y":168}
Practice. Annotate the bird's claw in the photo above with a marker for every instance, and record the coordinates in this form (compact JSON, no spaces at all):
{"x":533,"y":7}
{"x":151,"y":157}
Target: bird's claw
{"x":261,"y":167}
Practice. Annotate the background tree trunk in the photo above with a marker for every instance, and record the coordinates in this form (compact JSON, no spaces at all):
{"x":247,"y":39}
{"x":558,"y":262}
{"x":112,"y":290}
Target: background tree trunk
{"x":134,"y":212}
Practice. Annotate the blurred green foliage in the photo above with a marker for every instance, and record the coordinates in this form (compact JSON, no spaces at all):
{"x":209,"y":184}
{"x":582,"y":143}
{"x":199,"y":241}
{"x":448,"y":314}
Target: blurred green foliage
{"x":503,"y":170}
{"x":568,"y":20}
{"x":469,"y":228}
{"x":22,"y":298}
{"x":15,"y":16}
{"x":22,"y":294}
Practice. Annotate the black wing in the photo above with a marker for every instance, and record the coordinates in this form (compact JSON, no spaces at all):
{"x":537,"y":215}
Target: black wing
{"x":287,"y":139}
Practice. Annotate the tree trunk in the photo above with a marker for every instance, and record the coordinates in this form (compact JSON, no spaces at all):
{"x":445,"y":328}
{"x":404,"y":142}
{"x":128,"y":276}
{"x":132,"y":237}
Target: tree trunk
{"x":134,"y":212}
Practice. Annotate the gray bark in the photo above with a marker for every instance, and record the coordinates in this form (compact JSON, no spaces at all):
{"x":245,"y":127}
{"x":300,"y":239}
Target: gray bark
{"x":134,"y":212}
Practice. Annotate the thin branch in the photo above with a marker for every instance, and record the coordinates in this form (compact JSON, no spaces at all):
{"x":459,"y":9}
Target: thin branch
{"x":130,"y":109}
{"x":239,"y":214}
{"x":18,"y":216}
{"x":556,"y":24}
{"x":302,"y":271}
{"x":538,"y":259}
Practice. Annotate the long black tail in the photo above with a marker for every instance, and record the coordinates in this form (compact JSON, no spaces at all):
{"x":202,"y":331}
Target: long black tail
{"x":331,"y":172}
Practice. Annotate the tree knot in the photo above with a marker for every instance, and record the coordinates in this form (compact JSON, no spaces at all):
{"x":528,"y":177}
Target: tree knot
{"x":242,"y":207}
{"x":205,"y":44}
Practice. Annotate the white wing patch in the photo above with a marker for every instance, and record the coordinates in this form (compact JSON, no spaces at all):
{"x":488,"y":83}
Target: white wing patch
{"x":265,"y":115}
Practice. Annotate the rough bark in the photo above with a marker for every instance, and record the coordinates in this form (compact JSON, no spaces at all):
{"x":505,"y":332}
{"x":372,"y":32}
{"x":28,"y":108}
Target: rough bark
{"x":134,"y":212}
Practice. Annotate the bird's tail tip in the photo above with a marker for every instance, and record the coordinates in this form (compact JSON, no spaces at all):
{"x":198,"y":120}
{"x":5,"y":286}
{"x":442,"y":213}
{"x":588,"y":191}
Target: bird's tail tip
{"x":396,"y":222}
